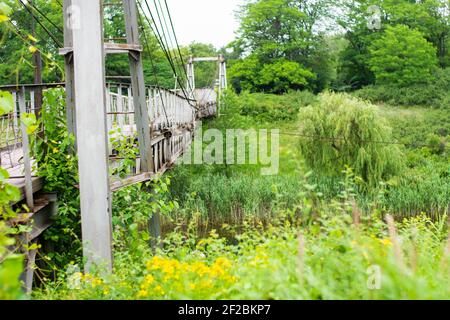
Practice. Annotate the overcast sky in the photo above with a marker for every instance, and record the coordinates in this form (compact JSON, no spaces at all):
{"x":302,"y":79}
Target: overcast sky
{"x":206,"y":21}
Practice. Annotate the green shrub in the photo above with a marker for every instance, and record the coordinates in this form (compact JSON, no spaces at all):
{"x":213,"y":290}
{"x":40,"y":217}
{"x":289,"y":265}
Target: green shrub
{"x":435,"y":94}
{"x":58,"y":166}
{"x":11,"y":264}
{"x":403,"y":57}
{"x":269,"y":108}
{"x":340,"y":131}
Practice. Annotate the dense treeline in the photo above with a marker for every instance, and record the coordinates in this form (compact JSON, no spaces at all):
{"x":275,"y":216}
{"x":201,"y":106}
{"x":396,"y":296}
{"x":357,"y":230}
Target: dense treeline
{"x":341,"y":44}
{"x":20,"y":43}
{"x":281,"y":45}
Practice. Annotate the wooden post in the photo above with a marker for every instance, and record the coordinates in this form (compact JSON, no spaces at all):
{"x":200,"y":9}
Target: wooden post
{"x":89,"y":76}
{"x":26,"y":153}
{"x":138,"y":85}
{"x":145,"y":131}
{"x":222,"y":81}
{"x":69,"y":66}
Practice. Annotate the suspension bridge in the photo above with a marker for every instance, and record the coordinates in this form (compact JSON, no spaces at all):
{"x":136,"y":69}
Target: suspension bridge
{"x":160,"y":122}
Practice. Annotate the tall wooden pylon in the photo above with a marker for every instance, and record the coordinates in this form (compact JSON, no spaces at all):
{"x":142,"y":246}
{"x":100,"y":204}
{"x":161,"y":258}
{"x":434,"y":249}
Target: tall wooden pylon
{"x":90,"y":99}
{"x":86,"y":114}
{"x":138,"y":86}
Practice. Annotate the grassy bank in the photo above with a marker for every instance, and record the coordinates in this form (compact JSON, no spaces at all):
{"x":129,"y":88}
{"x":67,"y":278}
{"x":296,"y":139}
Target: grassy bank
{"x":222,"y":193}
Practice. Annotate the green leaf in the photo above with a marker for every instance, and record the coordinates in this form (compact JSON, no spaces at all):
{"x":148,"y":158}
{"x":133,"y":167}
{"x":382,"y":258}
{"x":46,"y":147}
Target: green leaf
{"x":3,"y":174}
{"x":5,"y":9}
{"x":10,"y":270}
{"x":6,"y":103}
{"x":30,"y":122}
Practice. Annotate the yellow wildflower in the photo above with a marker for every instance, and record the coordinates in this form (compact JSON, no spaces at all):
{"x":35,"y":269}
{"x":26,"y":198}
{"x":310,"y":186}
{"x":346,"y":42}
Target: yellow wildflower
{"x":96,"y":282}
{"x":149,"y":279}
{"x":385,"y":242}
{"x":142,"y":294}
{"x":159,"y":290}
{"x":3,"y":18}
{"x":32,"y":49}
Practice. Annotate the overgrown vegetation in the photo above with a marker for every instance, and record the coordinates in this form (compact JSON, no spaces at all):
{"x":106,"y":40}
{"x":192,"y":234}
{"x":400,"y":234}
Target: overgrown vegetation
{"x":10,"y":262}
{"x":320,"y":251}
{"x":359,"y":209}
{"x":341,"y":131}
{"x":57,"y":164}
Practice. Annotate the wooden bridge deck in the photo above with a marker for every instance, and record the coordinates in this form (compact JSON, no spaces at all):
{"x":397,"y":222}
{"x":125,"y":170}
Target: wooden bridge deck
{"x":172,"y":131}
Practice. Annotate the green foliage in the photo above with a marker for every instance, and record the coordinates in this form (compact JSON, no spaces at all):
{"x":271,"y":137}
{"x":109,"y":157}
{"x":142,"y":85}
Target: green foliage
{"x":244,"y":74}
{"x":133,"y":207}
{"x":205,"y":73}
{"x":29,"y":121}
{"x":267,"y":108}
{"x":282,"y":75}
{"x":11,"y":268}
{"x":435,"y":94}
{"x":285,"y":51}
{"x":58,"y":166}
{"x":10,"y":264}
{"x":342,"y":131}
{"x":6,"y":102}
{"x":430,"y":17}
{"x":403,"y":57}
{"x":125,"y":151}
{"x":332,"y":258}
{"x":18,"y":48}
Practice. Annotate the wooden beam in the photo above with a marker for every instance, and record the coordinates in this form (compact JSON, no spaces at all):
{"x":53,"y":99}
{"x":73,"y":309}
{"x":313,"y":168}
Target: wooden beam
{"x":69,"y":67}
{"x":205,"y":59}
{"x":92,"y":137}
{"x":110,"y":48}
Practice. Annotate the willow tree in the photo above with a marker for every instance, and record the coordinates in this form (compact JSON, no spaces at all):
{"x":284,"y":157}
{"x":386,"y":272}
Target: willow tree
{"x":339,"y":131}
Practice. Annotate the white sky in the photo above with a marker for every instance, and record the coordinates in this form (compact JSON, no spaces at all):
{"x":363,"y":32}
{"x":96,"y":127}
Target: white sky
{"x":206,"y":21}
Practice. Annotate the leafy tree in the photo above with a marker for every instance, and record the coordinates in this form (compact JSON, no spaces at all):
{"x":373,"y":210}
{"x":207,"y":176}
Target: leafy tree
{"x":431,"y":17}
{"x":402,"y":57}
{"x":282,"y":75}
{"x":280,"y":30}
{"x":340,"y":131}
{"x":244,"y":74}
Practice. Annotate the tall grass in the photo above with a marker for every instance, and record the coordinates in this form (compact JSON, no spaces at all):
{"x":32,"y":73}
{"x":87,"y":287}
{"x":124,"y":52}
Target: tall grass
{"x":230,"y":193}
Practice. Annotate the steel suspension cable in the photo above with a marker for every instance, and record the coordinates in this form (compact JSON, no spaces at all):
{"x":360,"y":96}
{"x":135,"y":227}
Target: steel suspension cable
{"x":46,"y":18}
{"x":153,"y":67}
{"x":43,"y":27}
{"x":177,"y":43}
{"x":183,"y":70}
{"x":159,"y":38}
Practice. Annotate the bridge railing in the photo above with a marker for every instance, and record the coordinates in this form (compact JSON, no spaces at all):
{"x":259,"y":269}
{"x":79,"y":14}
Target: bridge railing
{"x":167,"y":110}
{"x":16,"y":153}
{"x":172,"y":118}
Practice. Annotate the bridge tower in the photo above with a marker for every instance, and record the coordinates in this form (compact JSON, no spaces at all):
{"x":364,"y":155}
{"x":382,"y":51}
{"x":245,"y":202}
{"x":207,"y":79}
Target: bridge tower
{"x":84,"y":54}
{"x":191,"y":78}
{"x":222,"y":81}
